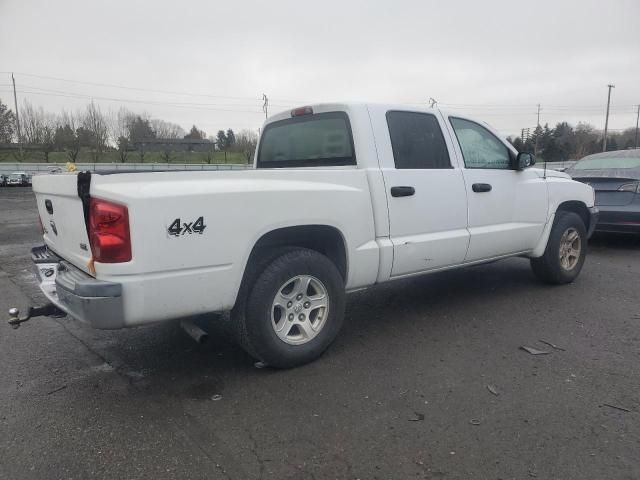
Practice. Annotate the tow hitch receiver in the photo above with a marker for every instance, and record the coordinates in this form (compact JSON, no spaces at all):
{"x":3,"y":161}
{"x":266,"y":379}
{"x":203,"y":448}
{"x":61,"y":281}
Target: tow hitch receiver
{"x":49,"y":310}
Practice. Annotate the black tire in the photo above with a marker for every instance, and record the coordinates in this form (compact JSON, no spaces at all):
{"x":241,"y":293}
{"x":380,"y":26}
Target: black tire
{"x":253,"y":310}
{"x":548,"y":267}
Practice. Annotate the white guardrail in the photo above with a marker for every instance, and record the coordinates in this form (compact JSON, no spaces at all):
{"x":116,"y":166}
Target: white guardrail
{"x":35,"y":168}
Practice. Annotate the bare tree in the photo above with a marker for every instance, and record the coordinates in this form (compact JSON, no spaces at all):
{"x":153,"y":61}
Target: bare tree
{"x":32,"y":120}
{"x":166,"y":152}
{"x":119,"y":131}
{"x":211,"y":149}
{"x":141,"y":151}
{"x":68,"y":136}
{"x":246,"y":142}
{"x":39,"y":127}
{"x":94,"y":121}
{"x":49,"y":128}
{"x":164,"y":129}
{"x":585,"y":137}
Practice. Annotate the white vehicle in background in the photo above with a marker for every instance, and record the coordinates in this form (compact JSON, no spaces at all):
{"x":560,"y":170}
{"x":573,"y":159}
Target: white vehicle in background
{"x":341,"y":197}
{"x":17,"y":179}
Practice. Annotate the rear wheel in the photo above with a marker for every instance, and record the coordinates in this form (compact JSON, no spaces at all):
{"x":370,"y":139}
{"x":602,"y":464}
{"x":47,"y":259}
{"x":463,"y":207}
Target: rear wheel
{"x":565,"y":252}
{"x":293,"y":309}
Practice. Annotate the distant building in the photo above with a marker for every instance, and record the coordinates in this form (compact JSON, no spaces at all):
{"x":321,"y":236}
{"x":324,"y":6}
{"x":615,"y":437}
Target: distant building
{"x":175,"y":145}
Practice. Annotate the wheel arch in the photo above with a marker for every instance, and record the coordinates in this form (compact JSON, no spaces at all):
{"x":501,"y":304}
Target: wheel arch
{"x":575,"y":206}
{"x":325,"y":239}
{"x":578,"y":207}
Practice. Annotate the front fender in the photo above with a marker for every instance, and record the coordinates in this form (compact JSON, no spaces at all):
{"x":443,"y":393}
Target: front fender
{"x":561,"y":190}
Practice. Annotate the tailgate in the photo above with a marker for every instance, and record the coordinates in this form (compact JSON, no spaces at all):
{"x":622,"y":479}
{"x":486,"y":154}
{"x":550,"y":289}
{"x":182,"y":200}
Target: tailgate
{"x":62,"y":215}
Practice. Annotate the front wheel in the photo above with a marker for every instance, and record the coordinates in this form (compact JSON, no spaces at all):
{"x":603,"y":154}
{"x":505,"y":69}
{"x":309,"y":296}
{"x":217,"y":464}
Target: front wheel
{"x":293,"y":310}
{"x":565,"y":252}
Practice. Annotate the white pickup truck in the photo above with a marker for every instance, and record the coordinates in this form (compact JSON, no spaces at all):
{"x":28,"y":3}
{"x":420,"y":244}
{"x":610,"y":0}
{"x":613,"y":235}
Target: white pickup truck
{"x":341,"y":197}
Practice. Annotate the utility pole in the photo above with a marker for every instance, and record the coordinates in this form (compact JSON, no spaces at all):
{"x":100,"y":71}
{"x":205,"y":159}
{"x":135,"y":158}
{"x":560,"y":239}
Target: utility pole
{"x":535,"y":147}
{"x":606,"y":122}
{"x":635,"y":143}
{"x":15,"y":102}
{"x":265,"y":106}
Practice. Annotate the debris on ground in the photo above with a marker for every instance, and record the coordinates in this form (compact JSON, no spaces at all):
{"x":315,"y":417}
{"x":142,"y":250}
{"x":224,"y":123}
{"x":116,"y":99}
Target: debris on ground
{"x":260,"y":365}
{"x":57,"y":389}
{"x":474,"y":421}
{"x":623,"y":409}
{"x":493,"y":390}
{"x":216,"y":397}
{"x":555,"y":347}
{"x":534,"y":351}
{"x":416,"y":417}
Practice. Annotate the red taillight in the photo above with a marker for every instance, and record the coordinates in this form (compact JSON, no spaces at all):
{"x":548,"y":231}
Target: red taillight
{"x":109,"y":232}
{"x":298,"y":112}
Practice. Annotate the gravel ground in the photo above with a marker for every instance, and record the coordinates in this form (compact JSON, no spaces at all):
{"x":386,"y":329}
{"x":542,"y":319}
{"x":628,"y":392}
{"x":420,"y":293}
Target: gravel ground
{"x":426,"y":380}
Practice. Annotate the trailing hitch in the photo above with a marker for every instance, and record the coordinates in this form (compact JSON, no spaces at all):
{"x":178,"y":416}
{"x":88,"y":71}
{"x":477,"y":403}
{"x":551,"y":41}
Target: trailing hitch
{"x":48,"y":310}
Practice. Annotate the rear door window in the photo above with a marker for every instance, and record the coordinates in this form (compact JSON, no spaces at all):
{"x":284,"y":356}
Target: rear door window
{"x":322,"y":139}
{"x":417,"y":141}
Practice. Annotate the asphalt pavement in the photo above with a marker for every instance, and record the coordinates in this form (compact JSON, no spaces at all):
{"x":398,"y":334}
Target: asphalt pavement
{"x":427,"y":380}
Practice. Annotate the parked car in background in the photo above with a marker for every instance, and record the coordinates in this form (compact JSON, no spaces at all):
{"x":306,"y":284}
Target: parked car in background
{"x":17,"y":179}
{"x":615,"y":177}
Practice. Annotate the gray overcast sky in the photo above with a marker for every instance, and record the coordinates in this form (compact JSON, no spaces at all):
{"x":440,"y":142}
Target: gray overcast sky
{"x":491,"y":58}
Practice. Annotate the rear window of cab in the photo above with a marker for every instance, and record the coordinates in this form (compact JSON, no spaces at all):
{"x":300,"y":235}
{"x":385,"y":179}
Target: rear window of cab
{"x":313,"y":140}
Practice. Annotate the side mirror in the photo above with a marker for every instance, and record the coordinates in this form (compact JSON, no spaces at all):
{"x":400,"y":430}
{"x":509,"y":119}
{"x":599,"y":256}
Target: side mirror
{"x":524,"y":160}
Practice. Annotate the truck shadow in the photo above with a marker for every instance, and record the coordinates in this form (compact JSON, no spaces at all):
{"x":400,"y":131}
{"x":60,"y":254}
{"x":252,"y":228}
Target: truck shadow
{"x":163,"y":360}
{"x":615,"y":241}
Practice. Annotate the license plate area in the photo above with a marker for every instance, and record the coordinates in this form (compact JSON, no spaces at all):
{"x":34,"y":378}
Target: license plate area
{"x":47,"y":273}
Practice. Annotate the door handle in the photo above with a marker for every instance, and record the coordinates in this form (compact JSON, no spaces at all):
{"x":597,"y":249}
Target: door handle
{"x":402,"y":191}
{"x":481,"y":187}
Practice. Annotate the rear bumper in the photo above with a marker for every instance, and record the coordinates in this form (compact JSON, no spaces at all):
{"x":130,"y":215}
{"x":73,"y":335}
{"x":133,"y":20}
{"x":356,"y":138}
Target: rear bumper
{"x":83,"y":297}
{"x":623,"y":219}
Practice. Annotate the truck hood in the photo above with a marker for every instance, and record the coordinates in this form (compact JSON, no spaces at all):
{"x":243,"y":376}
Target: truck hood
{"x":551,"y":173}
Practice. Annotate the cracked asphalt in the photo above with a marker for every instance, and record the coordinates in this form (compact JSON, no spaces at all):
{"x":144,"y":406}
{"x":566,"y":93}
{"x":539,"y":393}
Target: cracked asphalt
{"x":426,"y":380}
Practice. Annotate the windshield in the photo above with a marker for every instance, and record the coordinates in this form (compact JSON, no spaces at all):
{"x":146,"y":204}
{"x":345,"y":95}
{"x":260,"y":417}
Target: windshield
{"x":322,"y":139}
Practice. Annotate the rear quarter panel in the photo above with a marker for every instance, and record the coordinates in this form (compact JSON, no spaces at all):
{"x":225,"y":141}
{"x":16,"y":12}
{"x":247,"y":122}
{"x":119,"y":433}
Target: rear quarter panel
{"x":173,"y":276}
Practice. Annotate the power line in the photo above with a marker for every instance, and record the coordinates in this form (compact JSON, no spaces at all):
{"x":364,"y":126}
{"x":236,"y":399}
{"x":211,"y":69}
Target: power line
{"x":83,"y":95}
{"x":125,"y":87}
{"x":193,"y":106}
{"x":170,"y":92}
